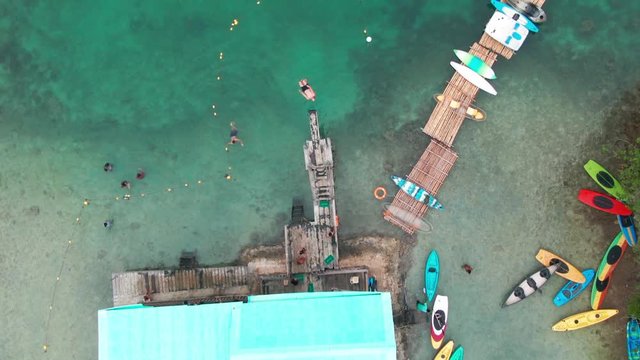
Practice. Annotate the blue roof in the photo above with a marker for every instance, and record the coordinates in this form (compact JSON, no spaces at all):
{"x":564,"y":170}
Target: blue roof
{"x":322,"y":325}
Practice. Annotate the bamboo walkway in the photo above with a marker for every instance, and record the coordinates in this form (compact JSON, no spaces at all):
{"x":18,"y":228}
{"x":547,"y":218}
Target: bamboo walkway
{"x":443,"y":125}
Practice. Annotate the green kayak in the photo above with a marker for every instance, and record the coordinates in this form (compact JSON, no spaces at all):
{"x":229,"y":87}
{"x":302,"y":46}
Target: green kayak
{"x":458,"y":354}
{"x":431,"y":274}
{"x":606,"y":181}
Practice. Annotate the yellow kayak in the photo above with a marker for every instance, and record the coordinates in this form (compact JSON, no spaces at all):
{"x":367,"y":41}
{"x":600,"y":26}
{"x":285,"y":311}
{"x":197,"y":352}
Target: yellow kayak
{"x":583,"y":319}
{"x":475,"y":114}
{"x":565,"y":270}
{"x":445,"y":352}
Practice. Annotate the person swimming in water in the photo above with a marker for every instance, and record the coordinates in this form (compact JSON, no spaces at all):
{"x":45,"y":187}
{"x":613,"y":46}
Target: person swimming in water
{"x":140,"y":174}
{"x":306,"y":90}
{"x":233,"y":135}
{"x":108,"y":224}
{"x":125,"y":184}
{"x":467,"y":268}
{"x":108,"y":167}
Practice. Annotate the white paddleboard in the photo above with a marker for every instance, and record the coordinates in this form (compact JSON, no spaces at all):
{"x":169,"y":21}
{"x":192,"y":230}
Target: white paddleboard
{"x":474,"y":78}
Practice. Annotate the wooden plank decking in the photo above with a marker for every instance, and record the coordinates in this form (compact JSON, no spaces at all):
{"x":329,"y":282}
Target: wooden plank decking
{"x":168,"y":285}
{"x":307,"y":245}
{"x":429,"y":173}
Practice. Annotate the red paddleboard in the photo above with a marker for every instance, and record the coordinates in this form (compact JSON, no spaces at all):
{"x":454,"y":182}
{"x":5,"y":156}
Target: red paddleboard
{"x":603,"y":202}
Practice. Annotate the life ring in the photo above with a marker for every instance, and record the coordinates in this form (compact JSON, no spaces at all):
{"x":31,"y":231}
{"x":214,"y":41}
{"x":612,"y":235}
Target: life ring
{"x":380,"y":193}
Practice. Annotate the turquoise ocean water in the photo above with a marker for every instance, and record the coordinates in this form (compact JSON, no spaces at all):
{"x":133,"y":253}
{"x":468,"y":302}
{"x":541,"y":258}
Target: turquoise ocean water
{"x":134,"y":83}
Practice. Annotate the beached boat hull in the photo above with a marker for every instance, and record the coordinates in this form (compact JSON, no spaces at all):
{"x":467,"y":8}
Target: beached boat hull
{"x":606,"y":181}
{"x":633,"y":339}
{"x":565,"y":270}
{"x":529,"y":285}
{"x":608,"y":264}
{"x":431,"y":274}
{"x":603,"y":202}
{"x":628,"y":228}
{"x":583,"y":320}
{"x":572,"y":289}
{"x":439,"y":318}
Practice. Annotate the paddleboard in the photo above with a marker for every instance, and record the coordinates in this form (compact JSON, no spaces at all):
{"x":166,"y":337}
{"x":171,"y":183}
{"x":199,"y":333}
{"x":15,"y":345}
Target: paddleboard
{"x":458,"y":354}
{"x":633,"y":339}
{"x":583,"y":320}
{"x":572,"y":289}
{"x":533,"y":12}
{"x":529,"y":285}
{"x":475,"y":114}
{"x":603,"y":202}
{"x":439,"y":317}
{"x":565,"y":270}
{"x":515,"y":15}
{"x":476,"y":64}
{"x":474,"y":78}
{"x":606,"y":181}
{"x":431,"y":274}
{"x":628,"y":228}
{"x":608,"y":264}
{"x":417,"y":192}
{"x":445,"y":352}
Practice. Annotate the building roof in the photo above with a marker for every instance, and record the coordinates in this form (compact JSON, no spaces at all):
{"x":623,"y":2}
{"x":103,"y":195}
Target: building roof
{"x":323,"y":325}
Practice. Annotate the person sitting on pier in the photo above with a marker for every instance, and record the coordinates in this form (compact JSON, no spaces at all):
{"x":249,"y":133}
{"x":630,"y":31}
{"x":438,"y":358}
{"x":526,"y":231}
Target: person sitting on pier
{"x":306,"y":90}
{"x":234,"y":135}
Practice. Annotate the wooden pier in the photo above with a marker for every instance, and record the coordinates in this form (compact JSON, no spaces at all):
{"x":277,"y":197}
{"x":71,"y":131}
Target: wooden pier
{"x":312,"y":246}
{"x":443,"y":125}
{"x":164,"y":286}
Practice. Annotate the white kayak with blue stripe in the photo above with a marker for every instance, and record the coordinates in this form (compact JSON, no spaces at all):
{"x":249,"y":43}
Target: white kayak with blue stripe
{"x":417,"y":192}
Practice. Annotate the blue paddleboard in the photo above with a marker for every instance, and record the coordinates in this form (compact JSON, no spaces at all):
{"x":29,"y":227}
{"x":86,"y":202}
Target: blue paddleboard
{"x":573,"y":289}
{"x":515,"y":15}
{"x":431,"y":274}
{"x":627,"y":225}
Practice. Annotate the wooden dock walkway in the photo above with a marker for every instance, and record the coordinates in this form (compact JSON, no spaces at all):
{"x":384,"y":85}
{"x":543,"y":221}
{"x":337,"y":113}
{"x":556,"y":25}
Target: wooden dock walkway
{"x":442,"y":126}
{"x":170,"y":285}
{"x":313,"y":246}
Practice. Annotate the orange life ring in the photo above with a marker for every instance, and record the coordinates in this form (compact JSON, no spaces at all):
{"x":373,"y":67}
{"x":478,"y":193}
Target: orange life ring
{"x":380,"y":193}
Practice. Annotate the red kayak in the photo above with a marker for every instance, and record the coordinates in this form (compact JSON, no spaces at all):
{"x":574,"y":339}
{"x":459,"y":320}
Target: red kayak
{"x":603,"y":202}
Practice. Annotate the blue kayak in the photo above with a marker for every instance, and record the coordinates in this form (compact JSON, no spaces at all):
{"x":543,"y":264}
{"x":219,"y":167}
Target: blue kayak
{"x":628,"y":227}
{"x":431,"y":274}
{"x":633,"y":339}
{"x":573,"y":289}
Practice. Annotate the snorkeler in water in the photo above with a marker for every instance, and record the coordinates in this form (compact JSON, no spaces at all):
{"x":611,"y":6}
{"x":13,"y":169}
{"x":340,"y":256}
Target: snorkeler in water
{"x":233,"y":135}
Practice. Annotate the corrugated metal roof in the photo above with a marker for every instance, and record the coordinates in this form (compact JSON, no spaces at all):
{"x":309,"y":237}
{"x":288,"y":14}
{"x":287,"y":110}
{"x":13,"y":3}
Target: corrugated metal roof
{"x":329,"y":325}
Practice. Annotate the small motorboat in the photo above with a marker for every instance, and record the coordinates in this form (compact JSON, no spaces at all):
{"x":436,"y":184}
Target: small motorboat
{"x":532,"y":11}
{"x":306,"y":90}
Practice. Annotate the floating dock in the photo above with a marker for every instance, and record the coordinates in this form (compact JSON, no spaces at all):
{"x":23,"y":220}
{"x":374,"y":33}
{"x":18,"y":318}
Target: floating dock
{"x":443,"y":125}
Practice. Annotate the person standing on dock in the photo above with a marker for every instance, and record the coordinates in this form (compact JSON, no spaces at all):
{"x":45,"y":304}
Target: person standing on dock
{"x":233,"y":135}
